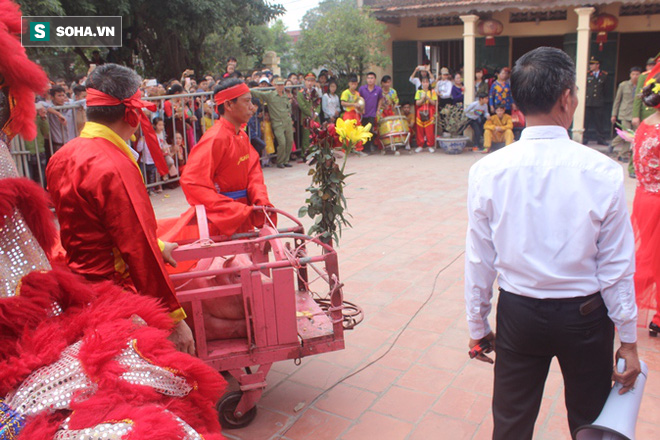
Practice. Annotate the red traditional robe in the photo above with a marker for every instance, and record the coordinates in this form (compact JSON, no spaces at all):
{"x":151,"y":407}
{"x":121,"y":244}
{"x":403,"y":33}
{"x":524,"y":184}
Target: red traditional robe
{"x":224,"y":175}
{"x":107,"y":223}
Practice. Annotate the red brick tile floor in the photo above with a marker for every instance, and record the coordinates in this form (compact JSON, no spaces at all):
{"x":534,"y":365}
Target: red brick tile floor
{"x":409,"y":221}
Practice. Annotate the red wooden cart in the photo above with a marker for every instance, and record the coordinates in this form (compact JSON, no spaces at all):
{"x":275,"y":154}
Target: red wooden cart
{"x":285,"y":318}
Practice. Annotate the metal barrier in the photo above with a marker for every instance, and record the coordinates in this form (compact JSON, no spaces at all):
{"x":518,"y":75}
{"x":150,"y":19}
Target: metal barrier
{"x":184,"y":120}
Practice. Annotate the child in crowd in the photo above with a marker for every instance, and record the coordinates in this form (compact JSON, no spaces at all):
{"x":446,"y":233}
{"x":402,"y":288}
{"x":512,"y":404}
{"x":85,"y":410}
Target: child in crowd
{"x":425,"y":100}
{"x":147,"y":159}
{"x":267,"y":131}
{"x":330,"y":103}
{"x":349,"y":100}
{"x":406,"y":112}
{"x":390,"y":97}
{"x":178,"y":150}
{"x":458,"y":89}
{"x":477,"y":113}
{"x":518,"y":121}
{"x":207,"y":118}
{"x":498,"y":128}
{"x":443,"y":88}
{"x":480,"y":83}
{"x":148,"y":162}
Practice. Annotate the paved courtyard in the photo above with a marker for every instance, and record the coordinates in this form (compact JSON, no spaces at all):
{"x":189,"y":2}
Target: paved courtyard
{"x":409,"y":222}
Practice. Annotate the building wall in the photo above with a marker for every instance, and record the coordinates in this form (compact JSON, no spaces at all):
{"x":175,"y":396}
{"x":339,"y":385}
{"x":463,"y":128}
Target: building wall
{"x":407,"y":30}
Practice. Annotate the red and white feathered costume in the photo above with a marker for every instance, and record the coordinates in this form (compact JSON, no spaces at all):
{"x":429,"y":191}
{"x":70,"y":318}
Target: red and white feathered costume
{"x":79,"y":360}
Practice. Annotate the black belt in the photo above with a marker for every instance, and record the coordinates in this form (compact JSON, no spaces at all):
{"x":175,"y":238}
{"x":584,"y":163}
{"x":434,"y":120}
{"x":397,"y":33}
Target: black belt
{"x":588,"y":304}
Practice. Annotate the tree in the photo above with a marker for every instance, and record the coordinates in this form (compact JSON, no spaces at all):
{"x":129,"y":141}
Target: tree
{"x":342,"y":37}
{"x":168,"y":36}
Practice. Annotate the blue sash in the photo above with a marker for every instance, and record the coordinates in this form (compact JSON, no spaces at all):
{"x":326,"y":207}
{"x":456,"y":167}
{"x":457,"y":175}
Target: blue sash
{"x":240,"y":194}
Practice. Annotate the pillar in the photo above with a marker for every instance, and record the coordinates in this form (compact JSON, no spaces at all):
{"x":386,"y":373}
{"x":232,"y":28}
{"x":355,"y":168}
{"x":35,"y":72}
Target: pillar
{"x":581,"y":68}
{"x":469,"y":51}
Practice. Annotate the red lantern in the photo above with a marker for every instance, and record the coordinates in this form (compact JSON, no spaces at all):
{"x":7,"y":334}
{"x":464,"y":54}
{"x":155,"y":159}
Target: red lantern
{"x":603,"y":23}
{"x":490,"y":28}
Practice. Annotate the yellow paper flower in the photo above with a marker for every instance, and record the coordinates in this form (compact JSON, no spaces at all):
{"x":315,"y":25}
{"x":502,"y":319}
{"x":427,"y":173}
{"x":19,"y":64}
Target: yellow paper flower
{"x":352,"y":133}
{"x":656,"y":88}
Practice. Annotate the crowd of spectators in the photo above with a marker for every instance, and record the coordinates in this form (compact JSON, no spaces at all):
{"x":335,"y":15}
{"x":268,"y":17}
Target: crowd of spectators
{"x":185,"y":110}
{"x":493,"y":97}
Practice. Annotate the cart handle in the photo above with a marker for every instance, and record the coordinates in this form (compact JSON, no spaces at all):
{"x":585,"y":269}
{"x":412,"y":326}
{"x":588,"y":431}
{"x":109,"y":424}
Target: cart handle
{"x":268,"y":209}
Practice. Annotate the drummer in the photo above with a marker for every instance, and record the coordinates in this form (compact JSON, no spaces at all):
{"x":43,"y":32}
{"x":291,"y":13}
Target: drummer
{"x":350,"y":101}
{"x":390,"y":97}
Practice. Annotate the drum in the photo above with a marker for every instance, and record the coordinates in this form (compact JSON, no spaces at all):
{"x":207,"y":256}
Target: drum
{"x":393,"y":131}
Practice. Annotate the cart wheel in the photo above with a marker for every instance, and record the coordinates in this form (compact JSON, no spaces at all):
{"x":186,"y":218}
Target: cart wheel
{"x":226,"y":407}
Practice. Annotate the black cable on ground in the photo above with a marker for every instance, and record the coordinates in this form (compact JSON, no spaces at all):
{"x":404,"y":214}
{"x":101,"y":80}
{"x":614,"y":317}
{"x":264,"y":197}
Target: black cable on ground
{"x":435,"y":280}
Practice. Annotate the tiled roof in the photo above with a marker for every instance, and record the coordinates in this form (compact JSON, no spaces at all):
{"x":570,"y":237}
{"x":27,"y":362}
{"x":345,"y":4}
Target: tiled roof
{"x":400,"y":8}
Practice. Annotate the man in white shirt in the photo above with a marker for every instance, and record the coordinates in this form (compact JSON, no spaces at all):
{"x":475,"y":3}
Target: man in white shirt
{"x":548,"y":217}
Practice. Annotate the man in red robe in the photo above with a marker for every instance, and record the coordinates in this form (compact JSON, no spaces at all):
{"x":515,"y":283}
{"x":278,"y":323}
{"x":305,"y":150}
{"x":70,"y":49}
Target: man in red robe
{"x":223,"y":171}
{"x":107,"y":223}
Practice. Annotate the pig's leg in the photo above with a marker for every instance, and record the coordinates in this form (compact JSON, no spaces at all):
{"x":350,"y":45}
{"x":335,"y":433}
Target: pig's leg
{"x":228,"y":307}
{"x":224,"y":318}
{"x":220,"y":328}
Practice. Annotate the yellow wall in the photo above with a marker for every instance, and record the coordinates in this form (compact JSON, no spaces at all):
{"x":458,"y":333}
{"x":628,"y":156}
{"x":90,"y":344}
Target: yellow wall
{"x":408,"y":30}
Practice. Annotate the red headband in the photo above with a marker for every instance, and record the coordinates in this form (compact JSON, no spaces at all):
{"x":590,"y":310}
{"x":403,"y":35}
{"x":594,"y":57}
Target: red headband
{"x":230,"y":93}
{"x":134,"y":116}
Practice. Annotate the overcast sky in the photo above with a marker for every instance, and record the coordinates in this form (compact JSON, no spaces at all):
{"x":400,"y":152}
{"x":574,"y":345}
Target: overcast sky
{"x":295,"y":9}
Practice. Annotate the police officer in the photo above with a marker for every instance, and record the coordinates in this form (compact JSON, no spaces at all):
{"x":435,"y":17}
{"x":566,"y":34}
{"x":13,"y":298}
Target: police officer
{"x":594,"y":117}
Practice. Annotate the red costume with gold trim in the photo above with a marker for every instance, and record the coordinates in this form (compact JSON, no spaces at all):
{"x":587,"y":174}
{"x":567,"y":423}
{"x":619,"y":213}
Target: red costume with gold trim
{"x":224,"y":175}
{"x":82,"y":360}
{"x":105,"y":212}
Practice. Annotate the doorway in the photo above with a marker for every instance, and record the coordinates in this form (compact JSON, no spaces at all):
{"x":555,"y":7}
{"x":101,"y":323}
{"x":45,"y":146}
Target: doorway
{"x":634,"y":49}
{"x":448,"y":53}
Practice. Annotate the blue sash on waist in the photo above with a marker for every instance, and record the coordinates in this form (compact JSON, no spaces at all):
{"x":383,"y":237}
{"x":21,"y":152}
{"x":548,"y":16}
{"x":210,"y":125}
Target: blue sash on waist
{"x":240,"y":194}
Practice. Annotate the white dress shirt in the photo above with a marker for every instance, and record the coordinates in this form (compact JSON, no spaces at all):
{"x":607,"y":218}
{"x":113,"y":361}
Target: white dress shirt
{"x":549,"y":216}
{"x":330,"y":105}
{"x":443,"y":88}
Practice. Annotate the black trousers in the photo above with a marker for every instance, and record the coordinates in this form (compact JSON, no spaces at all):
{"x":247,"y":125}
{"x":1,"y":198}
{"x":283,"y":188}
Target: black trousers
{"x":530,"y":332}
{"x":594,"y":125}
{"x":477,"y":126}
{"x":369,"y":145}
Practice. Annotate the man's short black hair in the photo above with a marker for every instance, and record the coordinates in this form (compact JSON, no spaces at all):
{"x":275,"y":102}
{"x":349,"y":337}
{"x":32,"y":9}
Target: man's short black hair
{"x":371,"y":74}
{"x":231,"y":59}
{"x":352,"y":79}
{"x":636,"y":69}
{"x":56,"y":89}
{"x":540,"y":77}
{"x":385,"y":79}
{"x":174,"y":89}
{"x":227,"y":83}
{"x":501,"y":106}
{"x":482,"y":95}
{"x":77,"y":89}
{"x":114,"y":80}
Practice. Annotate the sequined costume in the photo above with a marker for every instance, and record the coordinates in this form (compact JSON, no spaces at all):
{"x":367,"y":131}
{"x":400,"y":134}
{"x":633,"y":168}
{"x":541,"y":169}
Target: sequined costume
{"x":69,"y":348}
{"x":78,"y":360}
